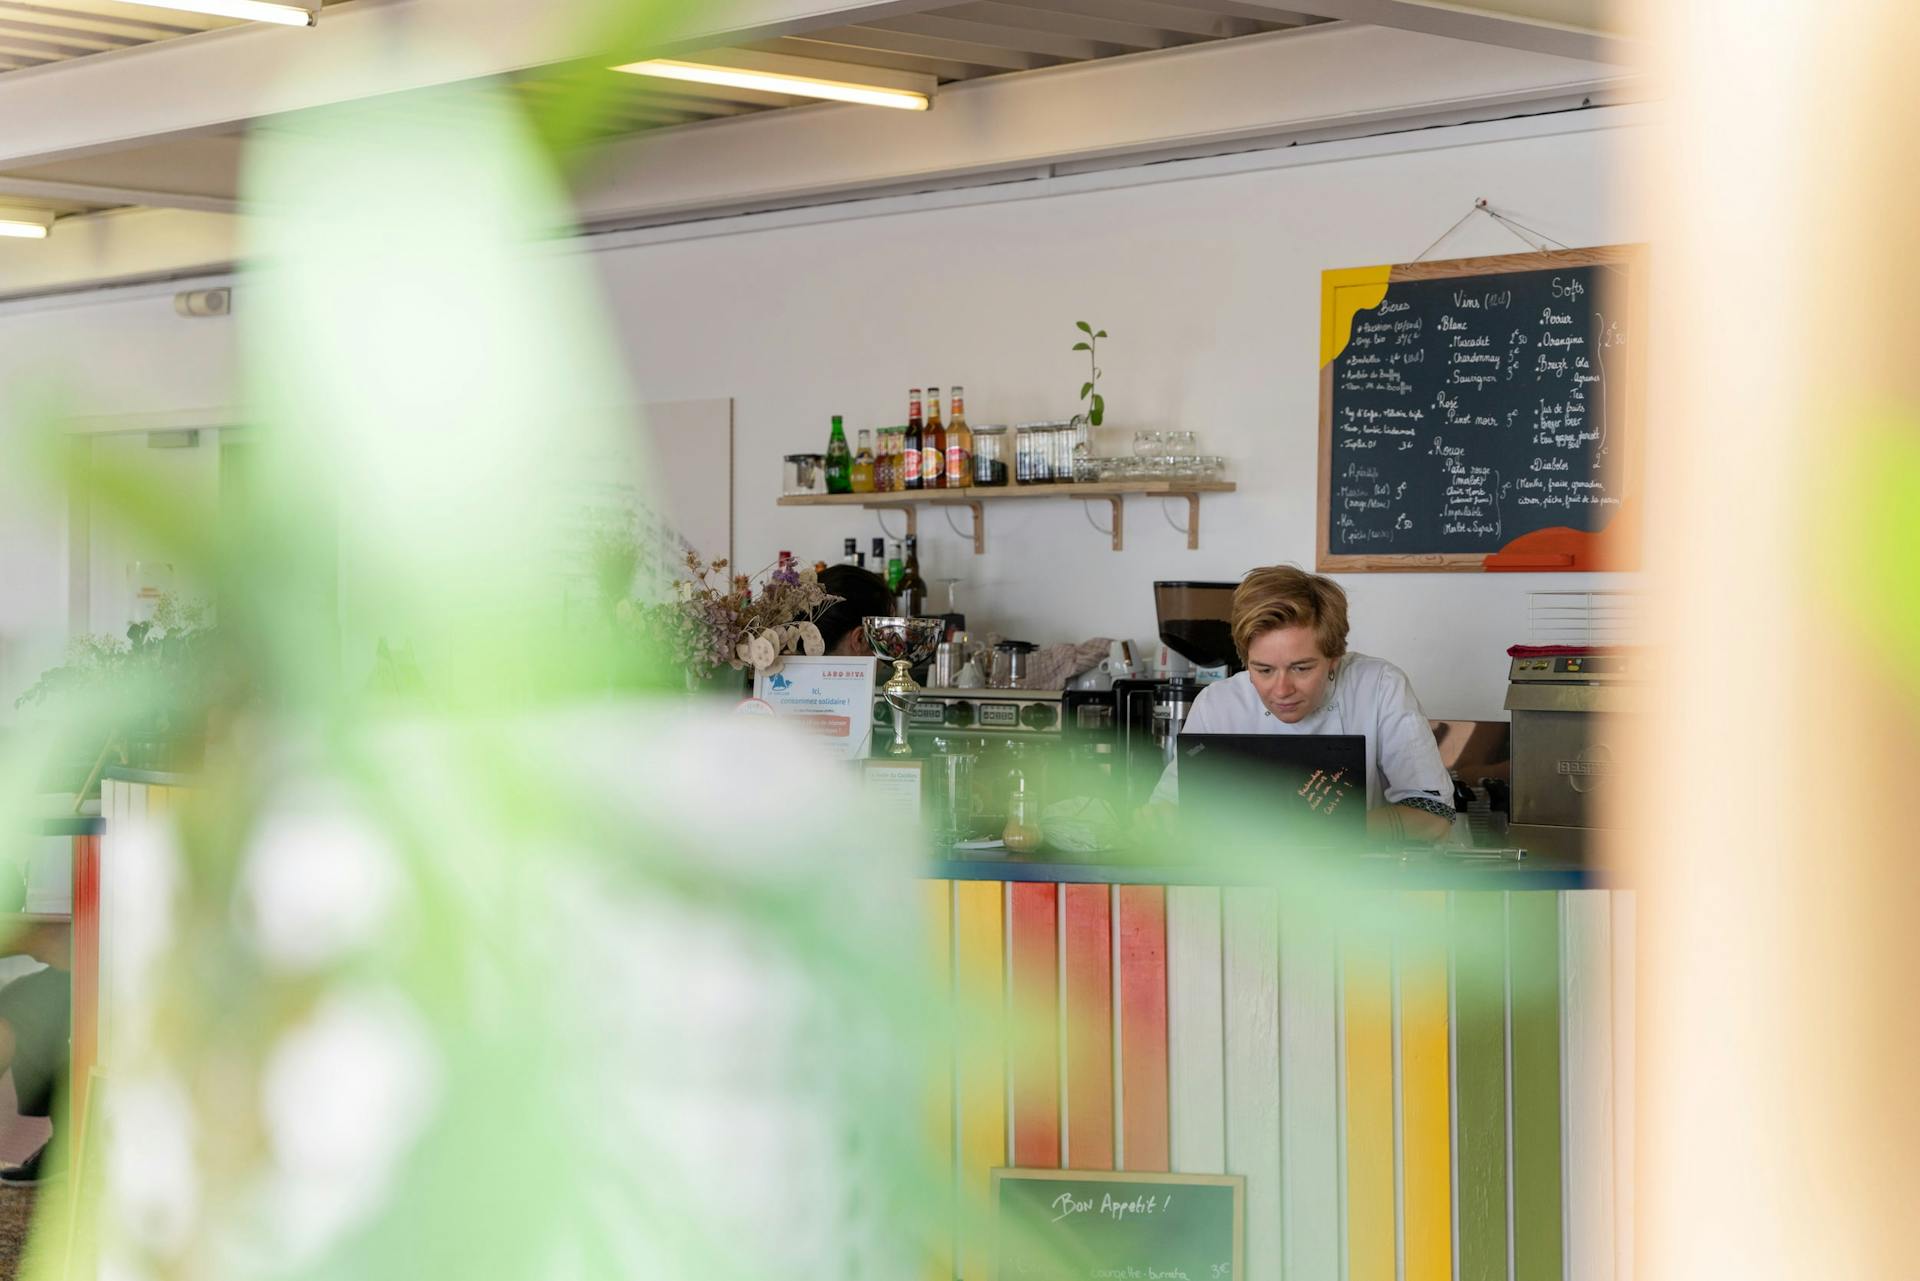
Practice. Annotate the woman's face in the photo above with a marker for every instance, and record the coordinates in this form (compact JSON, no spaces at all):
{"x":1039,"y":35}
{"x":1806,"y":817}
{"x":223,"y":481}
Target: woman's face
{"x":1289,"y":672}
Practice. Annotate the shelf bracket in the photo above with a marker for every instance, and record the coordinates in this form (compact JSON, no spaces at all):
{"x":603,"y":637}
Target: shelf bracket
{"x":979,"y":534}
{"x":1192,"y":528}
{"x":1118,"y":526}
{"x":879,"y":512}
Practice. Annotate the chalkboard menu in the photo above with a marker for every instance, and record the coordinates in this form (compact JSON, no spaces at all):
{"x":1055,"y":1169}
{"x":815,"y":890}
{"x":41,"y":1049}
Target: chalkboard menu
{"x":1088,"y":1225}
{"x":1482,"y":413}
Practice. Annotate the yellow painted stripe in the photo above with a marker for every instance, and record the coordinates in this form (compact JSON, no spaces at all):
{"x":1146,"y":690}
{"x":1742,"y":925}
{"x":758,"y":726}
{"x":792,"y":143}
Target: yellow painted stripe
{"x":1342,"y":293}
{"x":980,"y":1062}
{"x":1425,"y":1129}
{"x":938,"y":915}
{"x":1366,"y":963}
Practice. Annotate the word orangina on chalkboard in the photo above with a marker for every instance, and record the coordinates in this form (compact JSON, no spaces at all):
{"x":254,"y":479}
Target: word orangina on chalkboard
{"x":1482,"y":413}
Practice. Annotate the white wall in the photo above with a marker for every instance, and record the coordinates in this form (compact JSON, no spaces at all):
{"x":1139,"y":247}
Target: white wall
{"x":1209,"y":286}
{"x":1210,"y":289}
{"x":129,"y":355}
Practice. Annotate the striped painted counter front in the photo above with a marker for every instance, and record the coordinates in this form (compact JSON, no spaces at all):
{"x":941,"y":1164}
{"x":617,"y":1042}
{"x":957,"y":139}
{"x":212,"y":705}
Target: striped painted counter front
{"x":1436,"y":1084}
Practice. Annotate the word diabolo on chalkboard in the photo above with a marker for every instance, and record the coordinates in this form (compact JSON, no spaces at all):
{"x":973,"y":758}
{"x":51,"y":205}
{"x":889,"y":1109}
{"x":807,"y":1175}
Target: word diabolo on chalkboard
{"x":1088,"y":1225}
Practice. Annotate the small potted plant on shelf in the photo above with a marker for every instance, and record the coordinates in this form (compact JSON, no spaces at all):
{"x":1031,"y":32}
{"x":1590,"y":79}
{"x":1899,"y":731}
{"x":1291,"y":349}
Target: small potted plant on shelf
{"x":1096,"y":411}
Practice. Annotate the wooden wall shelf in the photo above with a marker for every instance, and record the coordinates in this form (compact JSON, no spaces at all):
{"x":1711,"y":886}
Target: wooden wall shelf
{"x":1113,"y":493}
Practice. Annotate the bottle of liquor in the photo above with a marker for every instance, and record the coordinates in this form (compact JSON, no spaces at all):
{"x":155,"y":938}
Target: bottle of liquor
{"x":933,"y":446}
{"x":839,"y":461}
{"x":850,"y":552}
{"x":912,"y":592}
{"x":896,"y":569}
{"x":878,"y":561}
{"x":959,"y":444}
{"x":882,"y":461}
{"x":863,"y":464}
{"x":910,"y":444}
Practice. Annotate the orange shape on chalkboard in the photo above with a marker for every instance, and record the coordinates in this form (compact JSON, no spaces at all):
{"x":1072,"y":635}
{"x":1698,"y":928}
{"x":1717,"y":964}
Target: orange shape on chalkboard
{"x":1617,"y":547}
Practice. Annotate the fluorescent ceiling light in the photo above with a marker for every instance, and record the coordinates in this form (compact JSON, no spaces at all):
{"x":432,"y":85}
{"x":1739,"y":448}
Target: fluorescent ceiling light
{"x":25,"y":224}
{"x":864,"y":92}
{"x":287,"y":15}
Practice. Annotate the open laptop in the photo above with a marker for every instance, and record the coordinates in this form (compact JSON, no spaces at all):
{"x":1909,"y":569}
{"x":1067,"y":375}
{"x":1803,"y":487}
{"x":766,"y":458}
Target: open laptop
{"x":1309,"y":789}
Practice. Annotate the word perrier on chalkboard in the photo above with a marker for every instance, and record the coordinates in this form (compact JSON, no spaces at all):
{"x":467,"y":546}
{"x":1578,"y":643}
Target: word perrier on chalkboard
{"x":1482,"y":413}
{"x":1089,"y":1225}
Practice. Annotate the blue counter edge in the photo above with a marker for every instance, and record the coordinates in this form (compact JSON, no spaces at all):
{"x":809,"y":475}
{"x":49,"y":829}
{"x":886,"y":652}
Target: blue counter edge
{"x":1423,"y":875}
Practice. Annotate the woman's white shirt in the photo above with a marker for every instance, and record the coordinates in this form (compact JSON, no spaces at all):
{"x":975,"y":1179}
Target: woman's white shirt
{"x":1368,"y":696}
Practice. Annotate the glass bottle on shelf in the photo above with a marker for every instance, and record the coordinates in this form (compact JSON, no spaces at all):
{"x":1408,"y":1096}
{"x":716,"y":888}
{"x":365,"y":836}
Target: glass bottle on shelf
{"x":880,"y":461}
{"x":850,"y":552}
{"x":878,"y":561}
{"x":910,"y":443}
{"x":1022,"y":833}
{"x":863,"y":464}
{"x":912,"y":591}
{"x":839,"y":461}
{"x":933,"y":446}
{"x":959,"y":443}
{"x":896,"y":569}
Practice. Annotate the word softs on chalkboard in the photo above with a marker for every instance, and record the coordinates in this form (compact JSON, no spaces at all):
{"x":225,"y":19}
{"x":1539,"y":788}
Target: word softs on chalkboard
{"x":1477,"y":409}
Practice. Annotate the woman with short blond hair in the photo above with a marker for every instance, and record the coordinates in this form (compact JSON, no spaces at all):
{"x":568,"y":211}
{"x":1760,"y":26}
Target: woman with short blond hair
{"x":1290,"y":628}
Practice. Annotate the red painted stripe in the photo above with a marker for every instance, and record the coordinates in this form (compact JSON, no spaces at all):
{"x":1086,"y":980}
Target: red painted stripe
{"x":1034,"y":992}
{"x":85,"y":960}
{"x":1143,"y":1025}
{"x":1089,"y":1016}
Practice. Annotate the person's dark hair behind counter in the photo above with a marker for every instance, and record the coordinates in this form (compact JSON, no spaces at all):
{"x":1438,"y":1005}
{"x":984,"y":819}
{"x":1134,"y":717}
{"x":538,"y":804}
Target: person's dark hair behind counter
{"x":862,"y":594}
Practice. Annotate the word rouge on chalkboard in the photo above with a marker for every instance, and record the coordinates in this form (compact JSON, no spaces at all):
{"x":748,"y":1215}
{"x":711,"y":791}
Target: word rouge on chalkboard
{"x":1089,"y":1225}
{"x":1481,"y":413}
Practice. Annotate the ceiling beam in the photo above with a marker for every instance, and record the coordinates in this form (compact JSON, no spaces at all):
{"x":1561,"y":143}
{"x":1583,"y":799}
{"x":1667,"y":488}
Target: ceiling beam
{"x":132,"y":96}
{"x":1219,"y":95}
{"x":1511,"y":24}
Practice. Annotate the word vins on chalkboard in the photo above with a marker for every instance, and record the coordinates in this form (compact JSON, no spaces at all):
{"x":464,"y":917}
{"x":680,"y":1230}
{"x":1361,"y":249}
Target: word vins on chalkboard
{"x":1480,"y":414}
{"x":1087,"y":1225}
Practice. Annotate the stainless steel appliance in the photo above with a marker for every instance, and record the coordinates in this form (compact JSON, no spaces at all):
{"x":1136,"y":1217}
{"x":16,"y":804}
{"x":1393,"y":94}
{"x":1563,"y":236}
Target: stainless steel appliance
{"x":1569,"y":718}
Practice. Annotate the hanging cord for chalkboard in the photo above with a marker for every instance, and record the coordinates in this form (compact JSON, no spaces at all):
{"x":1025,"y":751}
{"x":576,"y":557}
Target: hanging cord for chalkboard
{"x":1538,"y":241}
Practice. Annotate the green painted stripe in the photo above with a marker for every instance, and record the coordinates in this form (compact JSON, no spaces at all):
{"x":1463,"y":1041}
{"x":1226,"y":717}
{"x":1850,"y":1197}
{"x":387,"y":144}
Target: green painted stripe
{"x":1480,"y":1083}
{"x":1533,"y":937}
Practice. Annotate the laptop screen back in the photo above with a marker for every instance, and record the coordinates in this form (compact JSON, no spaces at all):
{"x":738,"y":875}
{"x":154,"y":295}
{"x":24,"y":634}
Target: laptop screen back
{"x":1310,"y":789}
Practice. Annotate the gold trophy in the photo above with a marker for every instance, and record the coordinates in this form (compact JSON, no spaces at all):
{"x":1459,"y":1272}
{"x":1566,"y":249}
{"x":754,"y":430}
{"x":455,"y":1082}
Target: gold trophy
{"x":908,"y":642}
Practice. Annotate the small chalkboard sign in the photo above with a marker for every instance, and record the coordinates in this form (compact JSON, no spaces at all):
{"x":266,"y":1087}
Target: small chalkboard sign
{"x":1092,"y":1225}
{"x":1482,"y":413}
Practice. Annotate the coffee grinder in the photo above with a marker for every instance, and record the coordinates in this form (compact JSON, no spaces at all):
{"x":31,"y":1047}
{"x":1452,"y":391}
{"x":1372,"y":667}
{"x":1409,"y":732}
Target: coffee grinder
{"x":1195,"y":621}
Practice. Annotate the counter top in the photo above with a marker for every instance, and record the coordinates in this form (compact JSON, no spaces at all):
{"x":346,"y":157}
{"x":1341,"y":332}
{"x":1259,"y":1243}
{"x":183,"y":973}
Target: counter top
{"x":1494,"y":870}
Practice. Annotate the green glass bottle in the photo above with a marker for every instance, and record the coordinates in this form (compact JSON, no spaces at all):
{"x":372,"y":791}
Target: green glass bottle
{"x":839,"y":461}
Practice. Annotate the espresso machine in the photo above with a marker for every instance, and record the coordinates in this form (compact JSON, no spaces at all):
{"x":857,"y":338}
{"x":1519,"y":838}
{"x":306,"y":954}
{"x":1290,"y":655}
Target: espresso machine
{"x":1195,"y":622}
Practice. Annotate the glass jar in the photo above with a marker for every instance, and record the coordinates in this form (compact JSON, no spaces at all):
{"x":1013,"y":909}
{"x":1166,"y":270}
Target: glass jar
{"x":990,"y":456}
{"x":1039,"y":453}
{"x":1063,"y":454}
{"x":1023,"y":455}
{"x":803,"y":474}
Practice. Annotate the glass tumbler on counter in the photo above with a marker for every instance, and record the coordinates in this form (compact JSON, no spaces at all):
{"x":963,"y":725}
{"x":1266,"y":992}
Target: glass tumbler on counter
{"x":990,"y":456}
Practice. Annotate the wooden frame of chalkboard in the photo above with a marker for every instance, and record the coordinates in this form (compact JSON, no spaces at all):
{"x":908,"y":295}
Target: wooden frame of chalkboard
{"x":1208,"y":1268}
{"x":1483,"y":420}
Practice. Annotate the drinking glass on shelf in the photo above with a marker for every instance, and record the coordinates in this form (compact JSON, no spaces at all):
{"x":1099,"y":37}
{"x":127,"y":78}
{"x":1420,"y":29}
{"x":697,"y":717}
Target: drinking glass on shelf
{"x":1143,"y":444}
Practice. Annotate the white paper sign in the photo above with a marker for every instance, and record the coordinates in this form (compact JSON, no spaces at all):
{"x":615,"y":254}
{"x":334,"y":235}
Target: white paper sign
{"x":831,"y":697}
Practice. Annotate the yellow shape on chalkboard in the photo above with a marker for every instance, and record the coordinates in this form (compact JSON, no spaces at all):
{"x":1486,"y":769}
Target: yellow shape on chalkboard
{"x":1343,"y":292}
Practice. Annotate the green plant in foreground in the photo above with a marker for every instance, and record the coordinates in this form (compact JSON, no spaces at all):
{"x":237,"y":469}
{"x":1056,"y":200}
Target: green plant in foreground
{"x":1097,"y":405}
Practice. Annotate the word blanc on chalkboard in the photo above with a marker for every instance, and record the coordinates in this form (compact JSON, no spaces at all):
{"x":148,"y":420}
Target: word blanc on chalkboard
{"x":1090,"y":1225}
{"x":1482,"y":413}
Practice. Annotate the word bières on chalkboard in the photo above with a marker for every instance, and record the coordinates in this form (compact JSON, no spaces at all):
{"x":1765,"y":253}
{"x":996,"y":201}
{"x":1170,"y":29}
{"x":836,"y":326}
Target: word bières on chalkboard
{"x":1469,"y":411}
{"x":1081,"y":1225}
